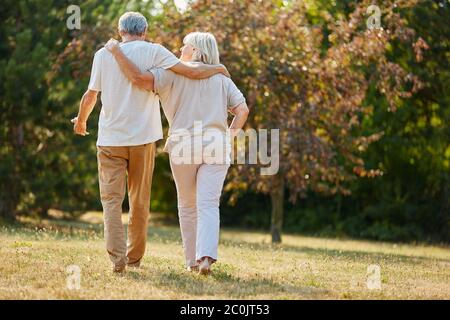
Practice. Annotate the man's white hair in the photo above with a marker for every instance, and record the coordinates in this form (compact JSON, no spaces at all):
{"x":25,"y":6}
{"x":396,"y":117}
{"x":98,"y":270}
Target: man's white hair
{"x":206,"y":45}
{"x":133,"y":23}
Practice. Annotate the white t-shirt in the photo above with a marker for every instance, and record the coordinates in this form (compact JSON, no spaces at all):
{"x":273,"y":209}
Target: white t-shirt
{"x":129,"y":116}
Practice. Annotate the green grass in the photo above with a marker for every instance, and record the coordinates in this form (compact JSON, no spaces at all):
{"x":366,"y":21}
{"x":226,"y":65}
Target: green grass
{"x":35,"y":256}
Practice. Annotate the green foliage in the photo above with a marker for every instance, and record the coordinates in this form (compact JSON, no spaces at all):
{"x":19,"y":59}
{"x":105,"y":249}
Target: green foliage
{"x":44,"y":70}
{"x":413,"y":194}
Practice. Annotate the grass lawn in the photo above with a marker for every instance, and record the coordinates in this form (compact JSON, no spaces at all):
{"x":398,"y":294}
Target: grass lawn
{"x":35,"y":257}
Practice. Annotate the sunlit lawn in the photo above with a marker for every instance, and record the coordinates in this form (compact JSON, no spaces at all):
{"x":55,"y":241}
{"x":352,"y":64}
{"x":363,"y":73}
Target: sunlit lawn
{"x":35,"y":257}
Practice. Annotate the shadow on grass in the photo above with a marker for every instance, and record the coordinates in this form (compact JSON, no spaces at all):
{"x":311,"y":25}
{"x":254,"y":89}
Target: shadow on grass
{"x":223,"y":282}
{"x":333,"y":253}
{"x":68,"y":229}
{"x":172,"y":234}
{"x":56,"y":229}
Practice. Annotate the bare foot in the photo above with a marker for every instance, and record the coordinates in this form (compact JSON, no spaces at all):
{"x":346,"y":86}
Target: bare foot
{"x":205,"y":266}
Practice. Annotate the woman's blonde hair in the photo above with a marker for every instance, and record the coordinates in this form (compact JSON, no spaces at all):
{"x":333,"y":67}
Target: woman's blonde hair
{"x":206,"y":45}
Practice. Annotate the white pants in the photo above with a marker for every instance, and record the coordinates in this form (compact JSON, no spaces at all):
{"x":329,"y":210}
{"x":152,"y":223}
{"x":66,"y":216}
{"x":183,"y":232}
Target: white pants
{"x":198,"y":191}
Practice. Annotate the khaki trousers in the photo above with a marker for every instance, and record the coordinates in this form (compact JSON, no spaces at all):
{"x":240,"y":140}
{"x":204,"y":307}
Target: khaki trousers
{"x":116,"y":167}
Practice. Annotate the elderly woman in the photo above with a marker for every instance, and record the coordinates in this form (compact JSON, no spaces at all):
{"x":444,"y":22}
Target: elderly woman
{"x":195,"y":109}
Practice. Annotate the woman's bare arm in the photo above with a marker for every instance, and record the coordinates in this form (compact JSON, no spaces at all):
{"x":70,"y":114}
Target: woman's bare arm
{"x":240,"y":117}
{"x":143,"y":80}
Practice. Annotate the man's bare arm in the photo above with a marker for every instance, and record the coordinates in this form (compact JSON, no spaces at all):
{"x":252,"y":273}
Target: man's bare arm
{"x":86,"y":106}
{"x":200,"y":71}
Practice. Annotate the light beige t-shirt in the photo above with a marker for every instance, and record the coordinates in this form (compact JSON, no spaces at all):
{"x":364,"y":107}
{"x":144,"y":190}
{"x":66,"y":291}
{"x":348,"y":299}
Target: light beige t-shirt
{"x":188,"y":103}
{"x":129,"y":116}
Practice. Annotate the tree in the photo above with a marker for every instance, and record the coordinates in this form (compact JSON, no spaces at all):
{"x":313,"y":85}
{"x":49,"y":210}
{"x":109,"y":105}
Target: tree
{"x":310,"y":68}
{"x":25,"y":41}
{"x":41,"y":164}
{"x":413,"y":194}
{"x":310,"y":86}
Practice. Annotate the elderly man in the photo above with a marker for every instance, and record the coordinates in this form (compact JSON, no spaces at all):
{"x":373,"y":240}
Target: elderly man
{"x":129,"y":125}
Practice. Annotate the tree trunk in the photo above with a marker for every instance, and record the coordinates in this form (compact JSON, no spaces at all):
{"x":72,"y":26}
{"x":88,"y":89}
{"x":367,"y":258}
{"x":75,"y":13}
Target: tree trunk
{"x":43,"y":212}
{"x":10,"y":190}
{"x":277,"y":197}
{"x":442,"y":232}
{"x":7,"y":210}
